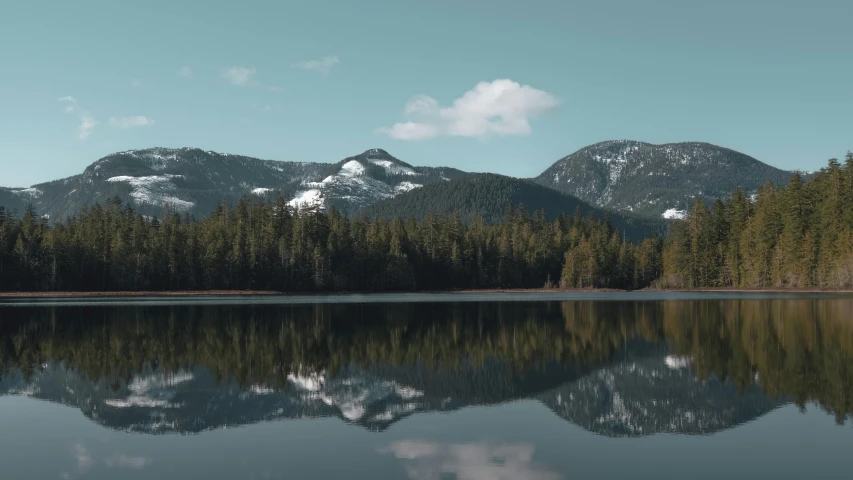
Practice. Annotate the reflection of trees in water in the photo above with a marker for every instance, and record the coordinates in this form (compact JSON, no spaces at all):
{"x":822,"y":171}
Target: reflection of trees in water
{"x":802,"y":347}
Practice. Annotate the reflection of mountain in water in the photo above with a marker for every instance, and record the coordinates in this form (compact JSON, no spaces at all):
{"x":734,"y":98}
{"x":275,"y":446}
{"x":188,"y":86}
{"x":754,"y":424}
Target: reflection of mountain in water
{"x":641,"y":396}
{"x":654,"y":395}
{"x":615,"y":368}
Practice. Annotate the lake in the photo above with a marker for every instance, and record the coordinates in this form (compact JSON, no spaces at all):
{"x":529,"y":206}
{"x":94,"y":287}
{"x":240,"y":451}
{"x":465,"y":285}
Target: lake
{"x":429,"y":387}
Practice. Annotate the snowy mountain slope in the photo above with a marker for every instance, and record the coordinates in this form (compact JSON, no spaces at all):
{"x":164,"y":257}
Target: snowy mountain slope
{"x":365,"y":179}
{"x":652,"y":180}
{"x":193,"y":181}
{"x":188,"y":180}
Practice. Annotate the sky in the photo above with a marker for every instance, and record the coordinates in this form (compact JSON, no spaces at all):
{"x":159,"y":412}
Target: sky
{"x":502,"y":86}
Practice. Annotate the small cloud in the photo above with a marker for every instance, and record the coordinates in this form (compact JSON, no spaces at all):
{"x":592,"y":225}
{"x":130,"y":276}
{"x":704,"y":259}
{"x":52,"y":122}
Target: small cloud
{"x":70,"y":103}
{"x":135,"y":83}
{"x":500,"y":107}
{"x":129,"y":122}
{"x":322,"y":65}
{"x":87,"y":121}
{"x":87,"y":126}
{"x":185,"y":72}
{"x":239,"y":75}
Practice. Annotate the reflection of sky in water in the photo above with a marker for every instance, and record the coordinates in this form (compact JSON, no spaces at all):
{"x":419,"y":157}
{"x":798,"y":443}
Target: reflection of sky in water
{"x":519,"y":441}
{"x":620,"y":406}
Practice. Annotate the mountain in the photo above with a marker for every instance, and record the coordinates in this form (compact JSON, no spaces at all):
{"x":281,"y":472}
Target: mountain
{"x":634,"y":397}
{"x":362,"y":180}
{"x":647,"y":396}
{"x":489,"y":194}
{"x":193,"y":181}
{"x":656,"y":180}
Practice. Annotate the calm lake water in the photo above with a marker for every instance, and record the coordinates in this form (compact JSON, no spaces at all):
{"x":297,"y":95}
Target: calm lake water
{"x":429,"y":388}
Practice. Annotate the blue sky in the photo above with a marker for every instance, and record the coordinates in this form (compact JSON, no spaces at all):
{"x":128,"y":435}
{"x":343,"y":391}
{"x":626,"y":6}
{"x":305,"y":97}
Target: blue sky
{"x":496,"y":85}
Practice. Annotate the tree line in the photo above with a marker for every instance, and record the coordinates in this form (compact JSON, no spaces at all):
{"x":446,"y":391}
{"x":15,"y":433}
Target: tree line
{"x":800,"y":235}
{"x":266,"y":245}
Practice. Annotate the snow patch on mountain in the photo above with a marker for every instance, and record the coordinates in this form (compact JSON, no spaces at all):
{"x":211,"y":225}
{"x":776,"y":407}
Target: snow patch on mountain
{"x":392,"y":167}
{"x":403,"y":187}
{"x":351,"y":169}
{"x":261,"y":191}
{"x":675,"y":214}
{"x":307,"y":199}
{"x":158,"y":190}
{"x":28,"y":192}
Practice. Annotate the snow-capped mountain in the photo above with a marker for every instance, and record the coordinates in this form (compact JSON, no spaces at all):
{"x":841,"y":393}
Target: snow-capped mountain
{"x":638,"y":396}
{"x":364,"y":179}
{"x":193,"y":181}
{"x":656,"y":180}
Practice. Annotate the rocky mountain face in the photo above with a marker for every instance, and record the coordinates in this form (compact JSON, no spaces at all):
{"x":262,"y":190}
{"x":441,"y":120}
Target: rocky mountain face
{"x":359,"y":181}
{"x":656,"y":180}
{"x":193,"y":181}
{"x":635,"y":396}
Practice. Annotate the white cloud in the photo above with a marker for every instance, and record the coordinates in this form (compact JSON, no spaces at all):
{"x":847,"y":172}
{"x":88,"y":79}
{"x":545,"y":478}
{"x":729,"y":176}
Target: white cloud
{"x":136,"y":83}
{"x":87,"y":121}
{"x":87,"y":126}
{"x":185,"y":73}
{"x":475,"y":461}
{"x":239,"y":75}
{"x":322,"y":65}
{"x":70,"y":103}
{"x":129,"y":122}
{"x":501,"y":107}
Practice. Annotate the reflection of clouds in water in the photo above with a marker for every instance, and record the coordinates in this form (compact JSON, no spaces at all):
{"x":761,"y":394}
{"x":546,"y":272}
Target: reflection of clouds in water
{"x":125,"y":461}
{"x":475,"y":461}
{"x":84,"y":462}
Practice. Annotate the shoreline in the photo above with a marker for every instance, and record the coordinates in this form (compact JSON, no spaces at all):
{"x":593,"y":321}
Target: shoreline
{"x":268,"y":293}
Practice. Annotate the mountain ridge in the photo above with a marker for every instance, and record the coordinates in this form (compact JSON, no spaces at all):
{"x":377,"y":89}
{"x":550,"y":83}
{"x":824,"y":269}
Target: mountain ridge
{"x":624,"y":176}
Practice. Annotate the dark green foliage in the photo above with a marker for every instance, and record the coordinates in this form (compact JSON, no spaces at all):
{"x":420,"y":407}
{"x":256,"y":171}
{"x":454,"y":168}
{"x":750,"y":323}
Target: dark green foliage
{"x":264,"y":245}
{"x":800,"y":235}
{"x":488,"y":195}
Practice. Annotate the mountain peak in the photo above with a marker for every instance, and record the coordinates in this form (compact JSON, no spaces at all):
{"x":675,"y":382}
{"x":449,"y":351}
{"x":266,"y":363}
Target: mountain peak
{"x":376,"y":152}
{"x":651,"y":179}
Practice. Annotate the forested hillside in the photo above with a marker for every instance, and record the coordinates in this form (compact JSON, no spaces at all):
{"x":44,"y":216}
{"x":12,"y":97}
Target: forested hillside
{"x":488,"y":196}
{"x":800,"y":235}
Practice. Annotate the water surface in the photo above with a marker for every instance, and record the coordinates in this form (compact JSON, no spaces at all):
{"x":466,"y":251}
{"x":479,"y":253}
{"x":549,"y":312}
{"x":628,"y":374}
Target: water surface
{"x":607,"y":386}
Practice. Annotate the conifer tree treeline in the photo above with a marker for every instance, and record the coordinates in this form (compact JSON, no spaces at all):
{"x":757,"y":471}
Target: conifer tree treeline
{"x":800,"y":235}
{"x":265,"y":245}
